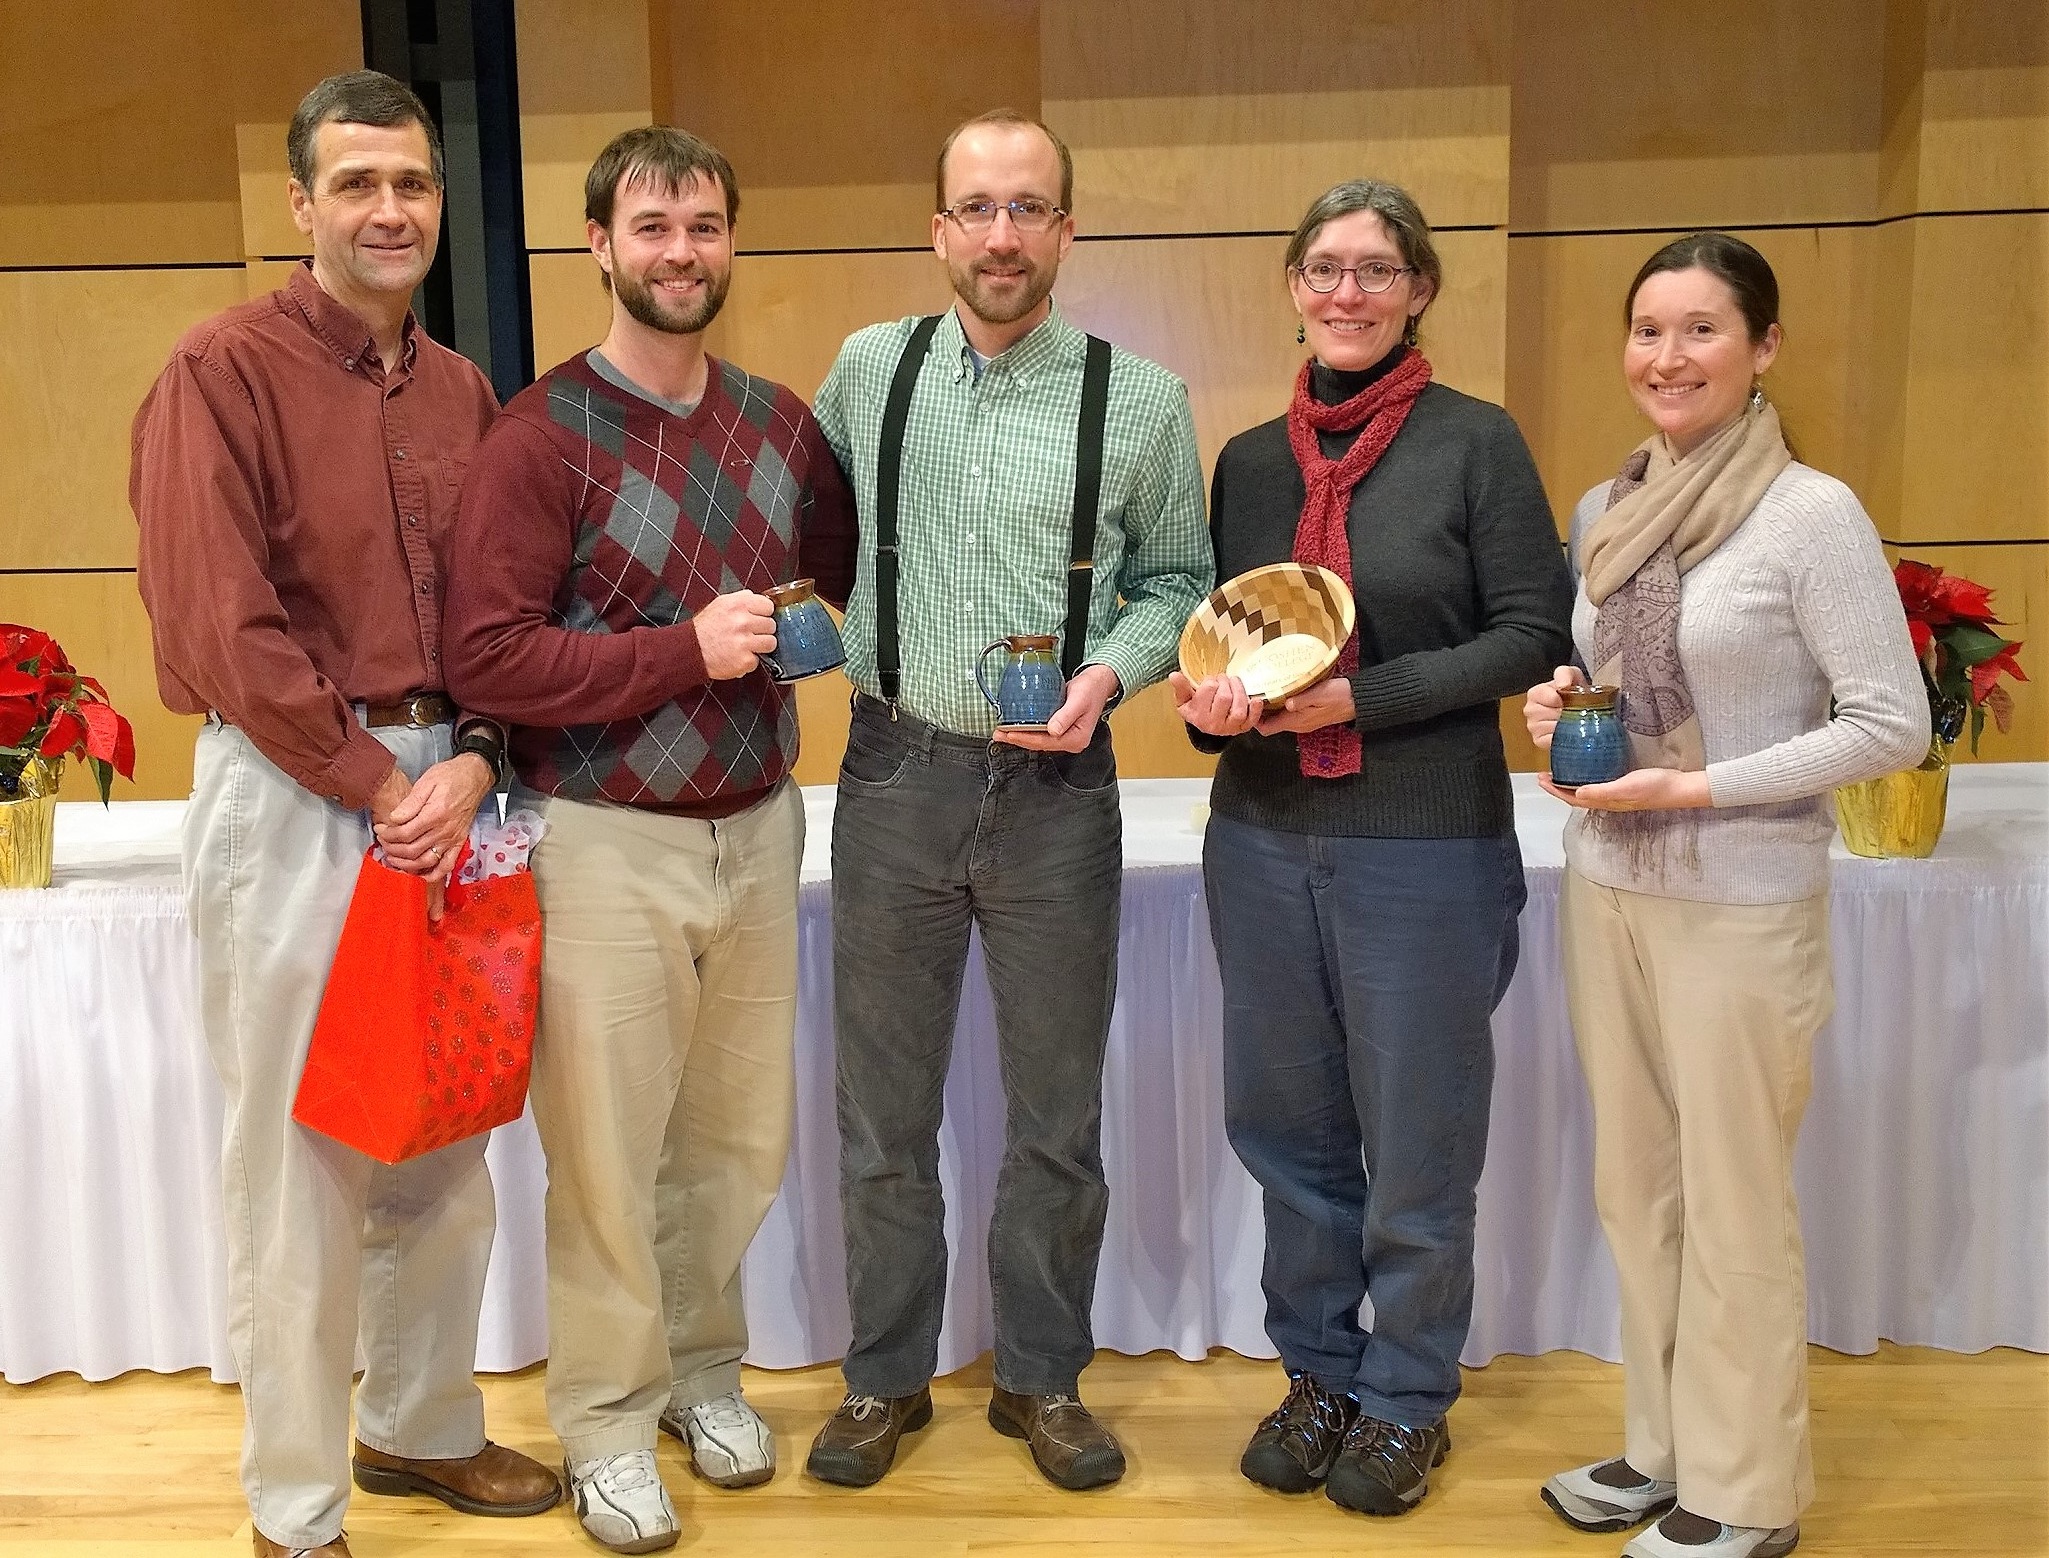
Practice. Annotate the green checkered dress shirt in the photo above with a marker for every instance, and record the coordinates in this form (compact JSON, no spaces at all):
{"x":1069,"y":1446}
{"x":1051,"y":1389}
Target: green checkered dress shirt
{"x":985,"y":510}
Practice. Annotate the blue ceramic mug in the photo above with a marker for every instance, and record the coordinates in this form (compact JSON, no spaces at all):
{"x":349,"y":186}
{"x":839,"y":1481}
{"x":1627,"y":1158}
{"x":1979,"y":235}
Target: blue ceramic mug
{"x":1589,"y":745}
{"x":806,"y":642}
{"x":1031,"y":687}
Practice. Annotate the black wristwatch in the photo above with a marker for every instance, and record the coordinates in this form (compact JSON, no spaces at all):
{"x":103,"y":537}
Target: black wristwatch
{"x":483,"y":738}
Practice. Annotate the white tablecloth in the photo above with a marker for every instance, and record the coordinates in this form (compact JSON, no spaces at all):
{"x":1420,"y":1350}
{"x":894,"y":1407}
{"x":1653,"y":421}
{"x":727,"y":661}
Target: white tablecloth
{"x":1923,"y":1169}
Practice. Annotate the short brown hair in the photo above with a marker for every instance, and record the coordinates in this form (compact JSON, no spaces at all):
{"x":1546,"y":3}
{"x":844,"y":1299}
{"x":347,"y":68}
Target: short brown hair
{"x":1011,"y":117}
{"x":1739,"y":267}
{"x":357,"y":97}
{"x":1398,"y":213}
{"x":662,"y":157}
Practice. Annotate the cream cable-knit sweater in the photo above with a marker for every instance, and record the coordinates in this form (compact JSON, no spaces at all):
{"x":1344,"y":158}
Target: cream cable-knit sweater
{"x":1795,"y":607}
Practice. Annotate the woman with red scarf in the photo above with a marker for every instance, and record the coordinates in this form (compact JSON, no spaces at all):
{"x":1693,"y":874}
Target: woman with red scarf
{"x":1361,"y":861}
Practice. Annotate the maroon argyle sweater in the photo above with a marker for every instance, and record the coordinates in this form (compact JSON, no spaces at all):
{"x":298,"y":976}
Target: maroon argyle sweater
{"x":595,"y":523}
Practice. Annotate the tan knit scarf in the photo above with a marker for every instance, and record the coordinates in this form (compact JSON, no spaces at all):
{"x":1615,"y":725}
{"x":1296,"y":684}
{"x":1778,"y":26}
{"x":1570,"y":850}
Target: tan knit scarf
{"x":1664,"y":518}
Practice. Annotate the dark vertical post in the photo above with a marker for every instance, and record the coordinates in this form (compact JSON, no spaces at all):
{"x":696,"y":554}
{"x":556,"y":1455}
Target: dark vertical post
{"x":460,"y":56}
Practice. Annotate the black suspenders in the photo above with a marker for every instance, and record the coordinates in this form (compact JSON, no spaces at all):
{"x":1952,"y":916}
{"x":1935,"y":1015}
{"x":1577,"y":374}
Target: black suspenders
{"x":1088,"y":486}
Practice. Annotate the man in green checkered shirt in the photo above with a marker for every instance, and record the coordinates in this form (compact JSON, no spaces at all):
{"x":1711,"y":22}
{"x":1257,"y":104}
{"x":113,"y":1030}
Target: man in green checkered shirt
{"x":946,"y":820}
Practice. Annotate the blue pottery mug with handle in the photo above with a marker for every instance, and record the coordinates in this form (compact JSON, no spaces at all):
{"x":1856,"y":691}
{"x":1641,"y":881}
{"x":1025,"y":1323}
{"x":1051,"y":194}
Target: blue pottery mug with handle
{"x":1589,"y":745}
{"x":1031,"y":687}
{"x":806,"y":642}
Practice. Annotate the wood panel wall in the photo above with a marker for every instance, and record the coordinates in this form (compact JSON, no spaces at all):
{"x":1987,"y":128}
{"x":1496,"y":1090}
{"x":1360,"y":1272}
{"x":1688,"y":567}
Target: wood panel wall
{"x":142,"y":188}
{"x":1892,"y":162}
{"x":1891,"y":157}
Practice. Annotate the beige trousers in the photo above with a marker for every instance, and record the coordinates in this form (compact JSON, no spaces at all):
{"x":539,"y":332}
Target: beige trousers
{"x":1696,"y":1024}
{"x":664,"y":1088}
{"x":326,"y":1247}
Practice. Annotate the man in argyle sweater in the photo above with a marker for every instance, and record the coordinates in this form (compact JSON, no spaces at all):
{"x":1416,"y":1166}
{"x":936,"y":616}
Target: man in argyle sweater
{"x":620,"y":525}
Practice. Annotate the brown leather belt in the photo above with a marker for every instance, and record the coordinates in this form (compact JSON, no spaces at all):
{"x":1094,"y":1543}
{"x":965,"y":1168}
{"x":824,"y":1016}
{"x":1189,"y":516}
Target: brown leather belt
{"x":422,"y":711}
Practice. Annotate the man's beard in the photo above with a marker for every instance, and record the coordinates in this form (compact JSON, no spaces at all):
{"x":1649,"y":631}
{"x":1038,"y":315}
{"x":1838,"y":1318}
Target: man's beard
{"x":1003,"y":310}
{"x":643,"y":303}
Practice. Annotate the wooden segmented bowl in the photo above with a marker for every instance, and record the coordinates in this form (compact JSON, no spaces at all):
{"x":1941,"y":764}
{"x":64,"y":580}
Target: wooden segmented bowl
{"x":1278,"y":629}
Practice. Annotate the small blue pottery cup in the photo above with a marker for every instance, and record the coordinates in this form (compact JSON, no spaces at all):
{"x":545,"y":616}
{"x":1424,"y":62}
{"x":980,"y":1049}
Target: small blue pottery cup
{"x":1031,"y":687}
{"x":1589,"y":746}
{"x":806,"y":642}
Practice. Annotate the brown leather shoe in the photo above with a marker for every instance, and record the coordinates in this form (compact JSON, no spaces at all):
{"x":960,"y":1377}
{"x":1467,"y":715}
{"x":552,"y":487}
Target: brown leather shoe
{"x":1068,"y":1444}
{"x":858,"y":1442}
{"x":266,"y":1548}
{"x":494,"y":1481}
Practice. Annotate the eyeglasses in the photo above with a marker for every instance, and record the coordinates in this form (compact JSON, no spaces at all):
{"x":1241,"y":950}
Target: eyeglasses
{"x":1027,"y":215}
{"x":1373,"y":276}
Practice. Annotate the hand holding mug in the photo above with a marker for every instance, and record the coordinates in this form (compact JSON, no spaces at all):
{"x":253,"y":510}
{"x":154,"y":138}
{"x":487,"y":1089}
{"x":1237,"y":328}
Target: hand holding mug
{"x":1546,"y":701}
{"x":734,"y":632}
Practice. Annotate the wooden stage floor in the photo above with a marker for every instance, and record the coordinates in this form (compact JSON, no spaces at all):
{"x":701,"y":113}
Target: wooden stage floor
{"x":1916,"y":1451}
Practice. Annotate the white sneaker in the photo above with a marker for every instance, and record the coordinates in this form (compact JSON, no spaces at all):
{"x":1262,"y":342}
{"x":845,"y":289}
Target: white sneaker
{"x":730,"y":1446}
{"x":1727,"y":1542}
{"x":621,"y":1502}
{"x":1589,"y":1505}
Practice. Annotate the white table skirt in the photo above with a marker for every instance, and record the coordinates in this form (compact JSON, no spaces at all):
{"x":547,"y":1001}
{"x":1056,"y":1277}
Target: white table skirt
{"x":1923,"y":1167}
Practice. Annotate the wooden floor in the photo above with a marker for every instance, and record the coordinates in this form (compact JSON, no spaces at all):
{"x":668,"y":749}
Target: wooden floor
{"x":1916,"y":1452}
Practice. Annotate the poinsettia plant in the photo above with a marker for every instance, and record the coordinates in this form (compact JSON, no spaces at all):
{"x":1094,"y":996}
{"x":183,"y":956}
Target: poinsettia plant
{"x":1962,"y":659}
{"x":49,"y":709}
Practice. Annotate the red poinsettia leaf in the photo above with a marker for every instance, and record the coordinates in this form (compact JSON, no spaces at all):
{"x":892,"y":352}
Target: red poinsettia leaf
{"x":2000,"y":702}
{"x":108,"y":737}
{"x":1986,"y":673}
{"x":19,"y":645}
{"x":1964,"y":599}
{"x":1920,"y":590}
{"x":1923,"y":636}
{"x":17,"y":718}
{"x":124,"y":749}
{"x":20,"y":684}
{"x":65,"y":735}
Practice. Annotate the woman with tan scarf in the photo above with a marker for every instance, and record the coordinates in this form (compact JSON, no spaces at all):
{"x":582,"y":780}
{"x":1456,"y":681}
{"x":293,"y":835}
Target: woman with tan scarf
{"x":1732,"y":593}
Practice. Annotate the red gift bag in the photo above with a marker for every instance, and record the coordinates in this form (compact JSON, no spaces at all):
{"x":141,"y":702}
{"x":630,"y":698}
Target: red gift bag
{"x":425,"y":1031}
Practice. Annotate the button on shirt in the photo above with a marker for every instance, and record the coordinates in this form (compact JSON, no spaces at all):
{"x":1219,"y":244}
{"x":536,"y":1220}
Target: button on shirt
{"x":986,"y":504}
{"x":296,"y":502}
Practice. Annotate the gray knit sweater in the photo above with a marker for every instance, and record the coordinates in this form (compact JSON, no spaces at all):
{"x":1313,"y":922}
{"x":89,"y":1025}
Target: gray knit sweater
{"x":1795,"y":607}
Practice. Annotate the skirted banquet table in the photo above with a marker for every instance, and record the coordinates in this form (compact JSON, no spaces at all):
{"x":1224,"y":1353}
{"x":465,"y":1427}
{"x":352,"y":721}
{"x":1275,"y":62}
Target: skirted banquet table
{"x":1923,"y":1167}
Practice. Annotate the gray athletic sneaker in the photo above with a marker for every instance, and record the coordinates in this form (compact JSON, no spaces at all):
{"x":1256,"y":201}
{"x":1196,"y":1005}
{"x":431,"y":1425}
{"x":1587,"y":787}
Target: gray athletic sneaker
{"x":621,"y":1502}
{"x":730,"y":1446}
{"x":1721,"y":1541}
{"x":1589,"y":1505}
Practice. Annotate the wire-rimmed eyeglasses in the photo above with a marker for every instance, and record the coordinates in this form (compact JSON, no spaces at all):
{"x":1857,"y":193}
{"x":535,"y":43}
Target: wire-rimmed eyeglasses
{"x":1027,"y":215}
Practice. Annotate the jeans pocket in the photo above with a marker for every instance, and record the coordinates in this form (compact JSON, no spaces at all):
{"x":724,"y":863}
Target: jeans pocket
{"x":1090,"y":772}
{"x":872,"y":762}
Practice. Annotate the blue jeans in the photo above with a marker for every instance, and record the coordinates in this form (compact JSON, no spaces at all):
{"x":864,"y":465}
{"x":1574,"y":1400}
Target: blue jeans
{"x":1359,"y":978}
{"x":933,"y":833}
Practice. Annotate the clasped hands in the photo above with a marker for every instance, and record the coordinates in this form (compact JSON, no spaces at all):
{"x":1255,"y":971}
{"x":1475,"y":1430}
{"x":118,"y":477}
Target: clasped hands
{"x":1641,"y":789}
{"x":423,"y":823}
{"x":1219,"y":706}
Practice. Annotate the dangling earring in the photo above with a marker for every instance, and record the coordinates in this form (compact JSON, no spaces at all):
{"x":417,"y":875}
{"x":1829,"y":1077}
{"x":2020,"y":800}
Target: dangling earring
{"x":1757,"y":397}
{"x":1301,"y":335}
{"x":1409,"y":332}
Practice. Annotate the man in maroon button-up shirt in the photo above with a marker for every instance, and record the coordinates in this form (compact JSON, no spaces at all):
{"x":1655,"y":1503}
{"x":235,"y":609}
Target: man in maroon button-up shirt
{"x":295,"y":478}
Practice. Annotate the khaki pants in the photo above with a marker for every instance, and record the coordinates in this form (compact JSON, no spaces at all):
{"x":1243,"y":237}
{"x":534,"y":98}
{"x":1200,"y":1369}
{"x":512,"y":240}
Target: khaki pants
{"x":326,"y":1247}
{"x":664,"y":1088}
{"x":1696,"y":1026}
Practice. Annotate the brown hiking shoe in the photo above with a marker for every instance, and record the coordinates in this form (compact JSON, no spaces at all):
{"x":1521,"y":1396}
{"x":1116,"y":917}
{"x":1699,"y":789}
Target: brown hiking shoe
{"x":1069,"y":1446}
{"x":1295,"y":1445}
{"x":1384,"y":1468}
{"x":858,"y":1442}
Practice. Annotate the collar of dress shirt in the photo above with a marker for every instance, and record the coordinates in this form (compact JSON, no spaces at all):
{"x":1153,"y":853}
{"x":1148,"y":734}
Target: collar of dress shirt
{"x":341,"y":329}
{"x":1051,"y":340}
